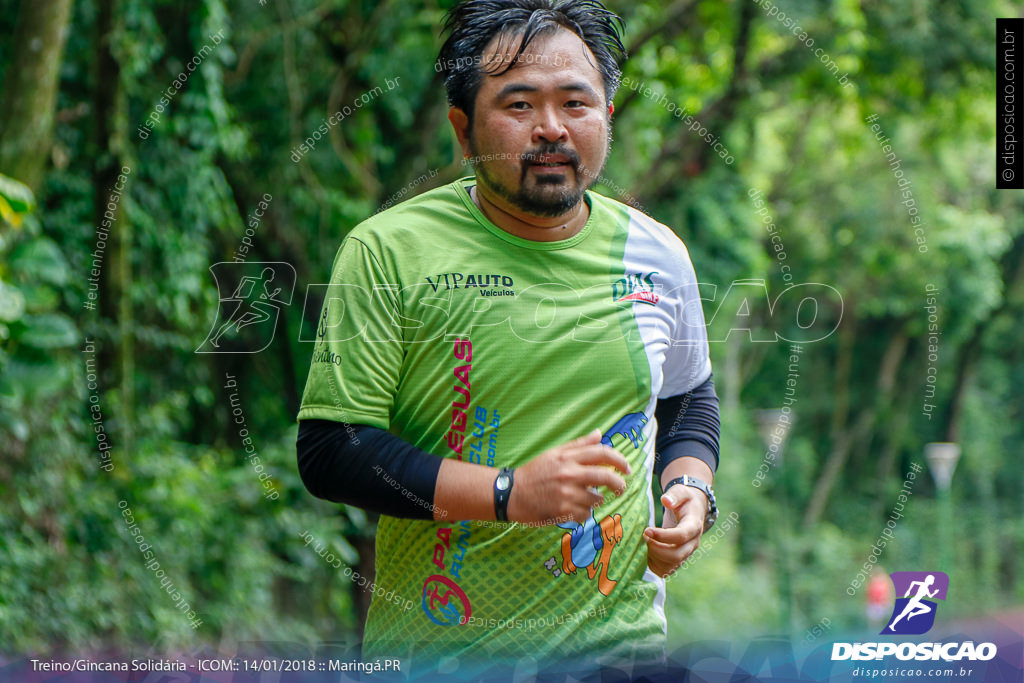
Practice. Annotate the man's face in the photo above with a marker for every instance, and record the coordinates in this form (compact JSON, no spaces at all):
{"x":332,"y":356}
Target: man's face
{"x":539,"y":125}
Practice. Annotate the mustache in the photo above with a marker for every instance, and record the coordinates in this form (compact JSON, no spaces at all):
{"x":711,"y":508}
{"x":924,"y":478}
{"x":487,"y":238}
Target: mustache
{"x":534,"y":156}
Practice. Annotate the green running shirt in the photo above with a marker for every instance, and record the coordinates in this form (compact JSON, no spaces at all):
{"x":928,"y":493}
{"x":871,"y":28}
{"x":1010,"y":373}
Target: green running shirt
{"x":472,"y":343}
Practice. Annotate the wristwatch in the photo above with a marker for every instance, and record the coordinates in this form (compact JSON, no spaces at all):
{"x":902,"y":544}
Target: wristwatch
{"x":502,"y":492}
{"x":686,"y":480}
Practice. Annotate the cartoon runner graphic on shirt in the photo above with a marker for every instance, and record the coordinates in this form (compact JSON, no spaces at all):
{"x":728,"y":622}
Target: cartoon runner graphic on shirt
{"x":591,"y":544}
{"x":630,"y":426}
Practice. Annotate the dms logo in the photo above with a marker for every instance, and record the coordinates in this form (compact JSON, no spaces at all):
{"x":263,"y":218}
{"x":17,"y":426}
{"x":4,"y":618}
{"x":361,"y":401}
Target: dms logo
{"x":636,"y":287}
{"x":914,"y":613}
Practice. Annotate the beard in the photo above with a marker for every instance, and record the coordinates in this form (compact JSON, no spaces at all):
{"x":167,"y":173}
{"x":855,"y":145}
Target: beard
{"x":548,"y":195}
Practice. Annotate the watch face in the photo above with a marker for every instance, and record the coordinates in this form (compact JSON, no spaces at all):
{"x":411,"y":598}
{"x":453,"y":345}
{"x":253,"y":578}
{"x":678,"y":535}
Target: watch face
{"x":502,"y":482}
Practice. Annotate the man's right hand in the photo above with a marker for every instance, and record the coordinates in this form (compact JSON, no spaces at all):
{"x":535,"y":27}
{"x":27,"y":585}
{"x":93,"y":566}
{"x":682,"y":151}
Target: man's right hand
{"x":556,"y":485}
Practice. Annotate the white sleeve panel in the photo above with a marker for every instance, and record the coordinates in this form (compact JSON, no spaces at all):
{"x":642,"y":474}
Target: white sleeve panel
{"x":675,"y":336}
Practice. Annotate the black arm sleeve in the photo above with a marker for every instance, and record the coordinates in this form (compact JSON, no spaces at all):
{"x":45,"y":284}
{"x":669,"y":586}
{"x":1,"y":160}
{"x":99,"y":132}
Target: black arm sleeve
{"x":688,"y":425}
{"x":367,"y":467}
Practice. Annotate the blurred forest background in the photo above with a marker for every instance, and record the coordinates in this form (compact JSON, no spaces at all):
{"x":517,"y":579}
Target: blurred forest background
{"x":79,"y":78}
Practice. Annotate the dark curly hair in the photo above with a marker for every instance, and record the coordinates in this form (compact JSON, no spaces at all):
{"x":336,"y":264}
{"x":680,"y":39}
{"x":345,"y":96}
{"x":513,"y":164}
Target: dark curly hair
{"x":473,"y":23}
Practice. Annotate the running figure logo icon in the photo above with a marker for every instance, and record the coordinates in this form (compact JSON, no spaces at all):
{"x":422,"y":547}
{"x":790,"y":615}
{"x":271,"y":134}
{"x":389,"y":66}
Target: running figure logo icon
{"x":251,"y":298}
{"x":914,"y":613}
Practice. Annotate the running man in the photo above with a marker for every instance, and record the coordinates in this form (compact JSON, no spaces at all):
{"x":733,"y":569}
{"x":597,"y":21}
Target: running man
{"x":522,"y":357}
{"x":915,"y":607}
{"x":251,"y":305}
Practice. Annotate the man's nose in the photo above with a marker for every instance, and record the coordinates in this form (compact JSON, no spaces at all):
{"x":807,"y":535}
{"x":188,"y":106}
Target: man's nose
{"x":549,"y":127}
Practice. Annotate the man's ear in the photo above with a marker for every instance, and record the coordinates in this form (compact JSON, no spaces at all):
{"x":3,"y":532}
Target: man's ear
{"x":460,"y":123}
{"x":611,"y":108}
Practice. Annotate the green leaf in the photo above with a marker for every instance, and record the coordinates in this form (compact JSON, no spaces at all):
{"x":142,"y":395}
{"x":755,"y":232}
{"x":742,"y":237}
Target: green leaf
{"x":17,"y":195}
{"x":24,"y":382}
{"x":8,"y":214}
{"x":12,"y":303}
{"x":40,"y":260}
{"x":40,"y":298}
{"x":49,"y":331}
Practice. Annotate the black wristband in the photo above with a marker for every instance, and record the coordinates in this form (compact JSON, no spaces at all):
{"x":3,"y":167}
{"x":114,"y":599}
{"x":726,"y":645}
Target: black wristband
{"x":502,"y":492}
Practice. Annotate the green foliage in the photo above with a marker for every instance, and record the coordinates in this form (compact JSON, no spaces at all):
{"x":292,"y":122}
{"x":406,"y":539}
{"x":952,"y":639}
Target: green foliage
{"x":70,"y":571}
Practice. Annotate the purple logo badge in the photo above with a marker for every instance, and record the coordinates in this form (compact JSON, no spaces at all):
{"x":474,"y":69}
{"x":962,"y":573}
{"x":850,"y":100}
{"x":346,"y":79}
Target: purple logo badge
{"x":914,"y":613}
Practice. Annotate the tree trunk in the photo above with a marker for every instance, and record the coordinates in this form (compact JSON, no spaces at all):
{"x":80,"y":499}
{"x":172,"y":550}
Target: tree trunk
{"x":30,"y":91}
{"x":117,"y":357}
{"x":1012,"y":266}
{"x":839,"y":434}
{"x":845,"y":438}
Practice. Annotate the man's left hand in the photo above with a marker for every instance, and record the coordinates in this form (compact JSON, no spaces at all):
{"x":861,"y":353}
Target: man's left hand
{"x":680,"y":532}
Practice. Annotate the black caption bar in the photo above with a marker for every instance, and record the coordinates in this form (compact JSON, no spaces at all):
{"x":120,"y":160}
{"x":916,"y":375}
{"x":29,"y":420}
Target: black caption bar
{"x":1009,"y":82}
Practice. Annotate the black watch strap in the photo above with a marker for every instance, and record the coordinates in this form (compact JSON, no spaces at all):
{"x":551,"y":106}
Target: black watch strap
{"x":502,"y":491}
{"x":712,"y":514}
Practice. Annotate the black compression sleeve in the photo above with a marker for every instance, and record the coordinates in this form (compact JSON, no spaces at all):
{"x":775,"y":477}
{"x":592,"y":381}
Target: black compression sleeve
{"x":367,"y":467}
{"x":688,"y":425}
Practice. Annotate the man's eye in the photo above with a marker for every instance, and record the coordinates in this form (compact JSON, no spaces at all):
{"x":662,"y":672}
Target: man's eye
{"x":575,"y":103}
{"x":519,"y":105}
